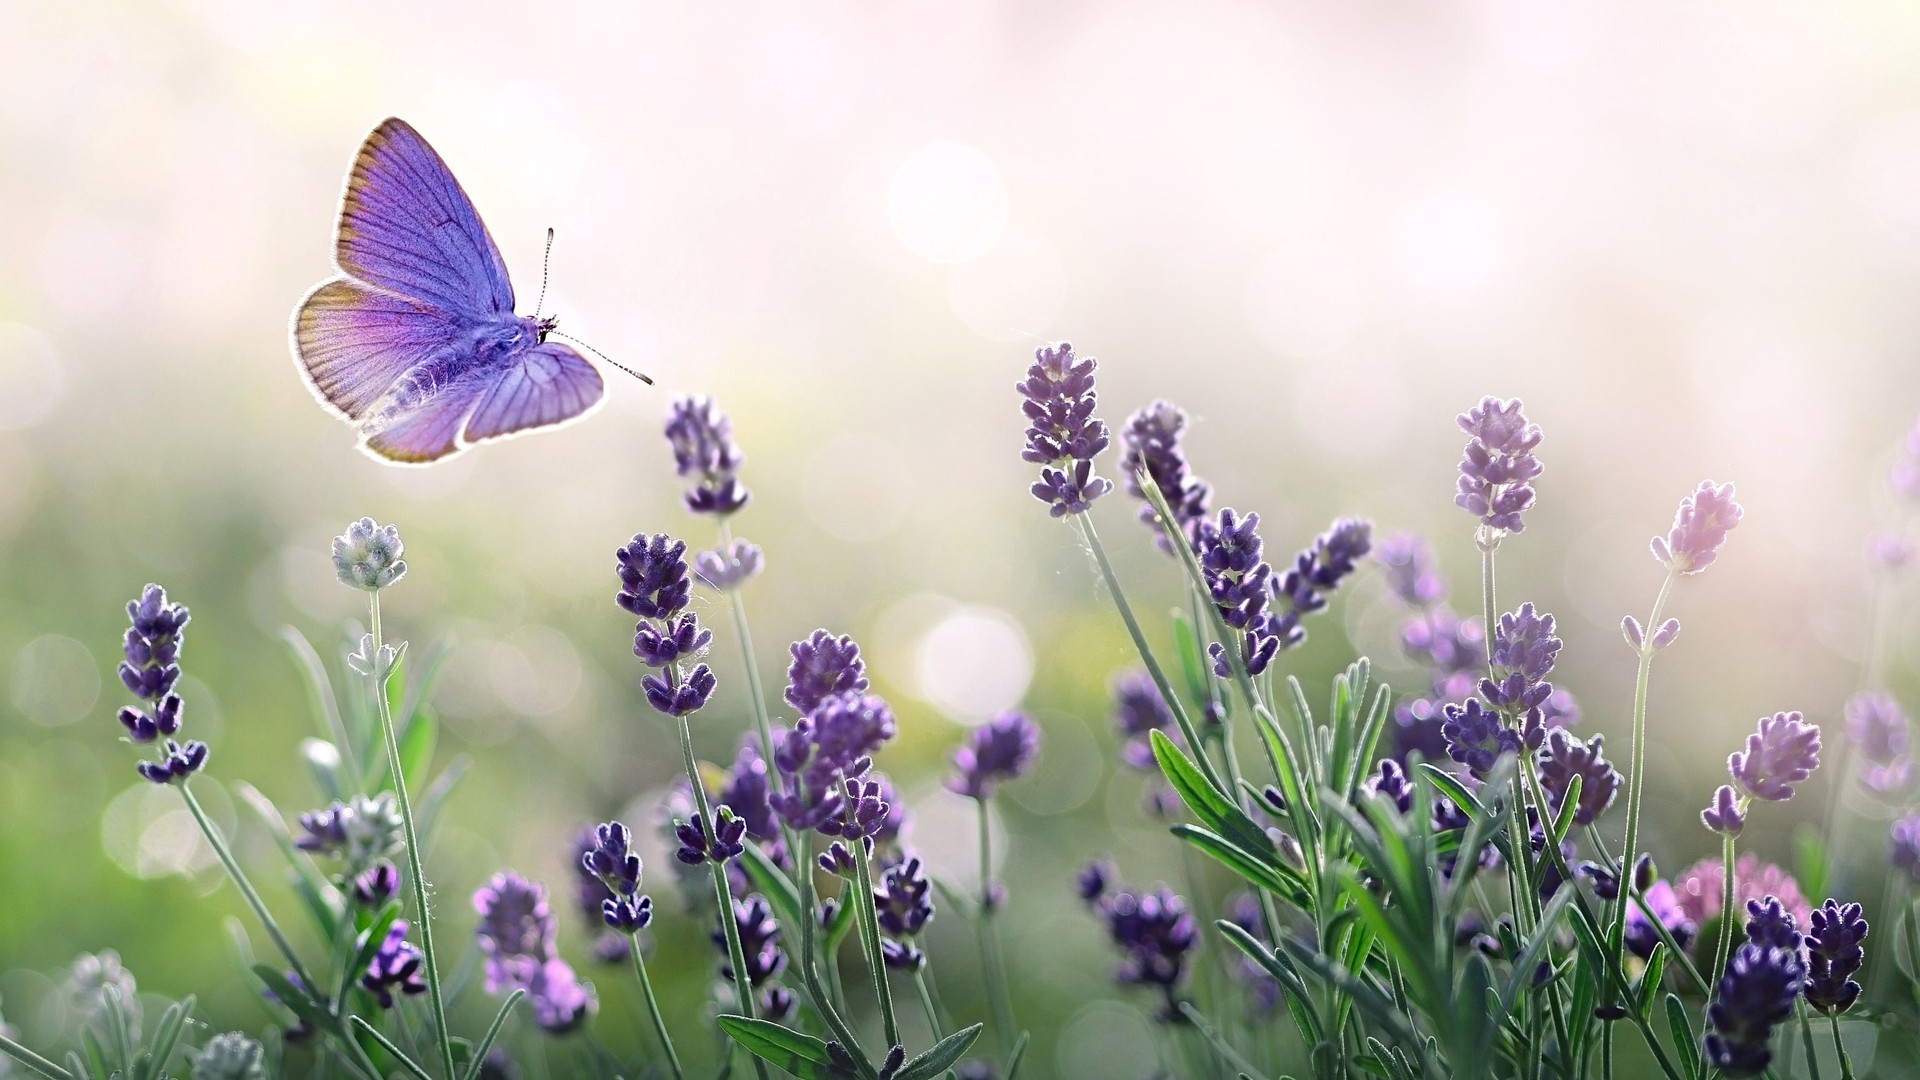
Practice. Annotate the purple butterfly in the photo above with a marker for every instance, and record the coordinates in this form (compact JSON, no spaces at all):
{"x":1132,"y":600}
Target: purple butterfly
{"x":416,"y":342}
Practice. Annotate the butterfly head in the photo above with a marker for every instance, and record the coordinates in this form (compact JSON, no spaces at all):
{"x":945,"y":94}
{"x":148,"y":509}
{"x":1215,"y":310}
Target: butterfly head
{"x":544,"y":324}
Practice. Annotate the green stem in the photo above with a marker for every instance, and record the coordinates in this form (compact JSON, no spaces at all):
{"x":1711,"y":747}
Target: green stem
{"x":1846,"y":1063}
{"x":1146,"y":654}
{"x":33,"y":1061}
{"x":1636,"y":781}
{"x":756,"y":693}
{"x":414,"y":871}
{"x":870,"y":927}
{"x":926,"y":1002}
{"x":1806,"y":1036}
{"x":653,"y":1006}
{"x":991,"y":961}
{"x":239,"y":877}
{"x":809,"y":933}
{"x":722,"y":888}
{"x":1725,"y":945}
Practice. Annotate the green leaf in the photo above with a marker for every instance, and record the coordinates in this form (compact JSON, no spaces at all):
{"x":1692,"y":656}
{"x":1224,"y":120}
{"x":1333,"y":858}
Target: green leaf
{"x":800,"y":1054}
{"x":1271,"y":875}
{"x":386,"y":1044}
{"x":1569,"y":803}
{"x":436,"y":797}
{"x":96,"y":1058}
{"x":167,"y":1035}
{"x":1306,"y":1015}
{"x":1680,"y":1026}
{"x":1193,"y":667}
{"x":773,"y":883}
{"x":493,"y":1031}
{"x":1810,"y":860}
{"x":302,"y":1005}
{"x":1215,"y":808}
{"x":1648,"y":989}
{"x":1019,"y":1053}
{"x":326,"y":711}
{"x":1523,"y":967}
{"x":323,"y":761}
{"x":1474,"y":1018}
{"x":939,"y":1056}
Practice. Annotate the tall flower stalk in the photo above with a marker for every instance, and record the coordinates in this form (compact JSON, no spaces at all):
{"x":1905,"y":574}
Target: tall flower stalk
{"x":1001,"y":749}
{"x":367,"y":556}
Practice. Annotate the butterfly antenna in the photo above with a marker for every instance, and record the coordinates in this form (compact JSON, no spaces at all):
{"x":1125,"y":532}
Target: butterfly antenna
{"x":545,"y":261}
{"x":603,"y":356}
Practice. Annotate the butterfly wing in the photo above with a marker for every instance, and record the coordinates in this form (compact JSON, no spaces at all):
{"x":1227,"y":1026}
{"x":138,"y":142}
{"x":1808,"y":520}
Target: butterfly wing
{"x":546,"y":385}
{"x":407,"y":227}
{"x":543,"y":386}
{"x":354,"y":343}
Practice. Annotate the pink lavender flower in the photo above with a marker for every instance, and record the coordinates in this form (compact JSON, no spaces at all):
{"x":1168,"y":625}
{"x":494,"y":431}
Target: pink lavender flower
{"x":1565,"y":757}
{"x":1834,"y":955}
{"x":1698,"y":888}
{"x":1000,"y":749}
{"x":1497,"y":468}
{"x":1410,"y":570}
{"x":1699,"y":530}
{"x":515,"y":931}
{"x":397,"y":966}
{"x":1783,"y":752}
{"x":823,"y":666}
{"x":1152,"y":437}
{"x":1904,"y":849}
{"x":1063,"y":435}
{"x":703,"y":448}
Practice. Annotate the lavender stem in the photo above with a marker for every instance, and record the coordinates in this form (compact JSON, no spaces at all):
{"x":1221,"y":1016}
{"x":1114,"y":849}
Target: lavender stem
{"x":870,"y":944}
{"x":653,"y":1005}
{"x":990,"y":957}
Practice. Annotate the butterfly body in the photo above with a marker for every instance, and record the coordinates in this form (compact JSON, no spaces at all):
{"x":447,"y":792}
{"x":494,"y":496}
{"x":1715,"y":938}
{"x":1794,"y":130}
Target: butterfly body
{"x":416,"y":342}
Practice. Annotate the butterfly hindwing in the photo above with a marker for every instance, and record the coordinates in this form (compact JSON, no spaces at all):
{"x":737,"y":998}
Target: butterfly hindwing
{"x":546,"y":385}
{"x":407,"y":227}
{"x":354,"y":343}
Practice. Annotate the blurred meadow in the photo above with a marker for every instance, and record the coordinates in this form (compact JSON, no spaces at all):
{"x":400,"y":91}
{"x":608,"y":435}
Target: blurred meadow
{"x":1688,"y":236}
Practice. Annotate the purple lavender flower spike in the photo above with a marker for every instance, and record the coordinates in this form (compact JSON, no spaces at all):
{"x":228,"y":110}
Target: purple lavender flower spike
{"x":149,"y":668}
{"x":703,"y":448}
{"x":1240,"y":585}
{"x":654,"y":583}
{"x":1565,"y":757}
{"x":1724,"y":815}
{"x":721,"y":844}
{"x":1524,"y":649}
{"x":1410,"y":570}
{"x":1783,"y":752}
{"x":559,"y":1002}
{"x":904,"y":906}
{"x":1154,"y":932}
{"x":1834,"y":956}
{"x":669,"y":641}
{"x":864,"y":811}
{"x":1699,"y":530}
{"x":397,"y":966}
{"x":1904,"y":846}
{"x":680,"y":698}
{"x":1063,"y":435}
{"x":1392,"y":784}
{"x":728,"y":567}
{"x":1093,"y":880}
{"x":776,"y":1003}
{"x":516,"y":929}
{"x":1663,"y":635}
{"x":1476,"y":738}
{"x":1770,"y":925}
{"x":376,"y":885}
{"x":611,"y":860}
{"x":1641,"y":935}
{"x":177,"y":763}
{"x":1139,"y":710}
{"x":823,"y":666}
{"x":1000,"y":749}
{"x":832,"y":744}
{"x":1756,"y":993}
{"x":1314,"y":575}
{"x":748,"y":788}
{"x":759,"y":937}
{"x":1497,"y":468}
{"x":1877,"y":726}
{"x":1152,"y":437}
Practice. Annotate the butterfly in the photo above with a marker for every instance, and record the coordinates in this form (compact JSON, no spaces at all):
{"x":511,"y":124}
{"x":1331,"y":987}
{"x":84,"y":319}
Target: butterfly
{"x":416,"y":341}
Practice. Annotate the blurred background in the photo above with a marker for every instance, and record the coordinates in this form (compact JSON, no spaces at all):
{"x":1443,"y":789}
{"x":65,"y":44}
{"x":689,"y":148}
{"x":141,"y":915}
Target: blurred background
{"x":1687,"y":235}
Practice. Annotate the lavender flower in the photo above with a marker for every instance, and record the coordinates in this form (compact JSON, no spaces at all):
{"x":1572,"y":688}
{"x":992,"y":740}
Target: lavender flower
{"x":1834,"y":955}
{"x":1877,"y":726}
{"x":1315,"y":574}
{"x":376,"y":885}
{"x":613,"y":862}
{"x":823,"y":666}
{"x":516,"y":929}
{"x":904,"y":907}
{"x":1771,"y":925}
{"x":1497,"y":468}
{"x":748,"y":787}
{"x":1152,"y":437}
{"x":1154,"y":932}
{"x":1699,"y":889}
{"x":1756,"y":993}
{"x":864,"y":812}
{"x":395,"y":967}
{"x":1138,"y":710}
{"x":1641,"y":935}
{"x":703,"y":448}
{"x":721,"y":844}
{"x":1063,"y":435}
{"x":1093,"y":880}
{"x":1524,"y":649}
{"x":361,"y":832}
{"x":1392,"y":784}
{"x":1726,"y":814}
{"x":1410,"y":570}
{"x":832,"y":744}
{"x":1239,"y":584}
{"x":588,"y":892}
{"x":150,"y":668}
{"x":729,"y":566}
{"x":1904,"y":851}
{"x":367,"y":555}
{"x":1000,"y":749}
{"x":664,"y":643}
{"x":1699,"y":530}
{"x":1476,"y":738}
{"x":759,"y":937}
{"x":559,"y":1002}
{"x":656,"y":585}
{"x":1565,"y":757}
{"x":1783,"y":752}
{"x":230,"y":1056}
